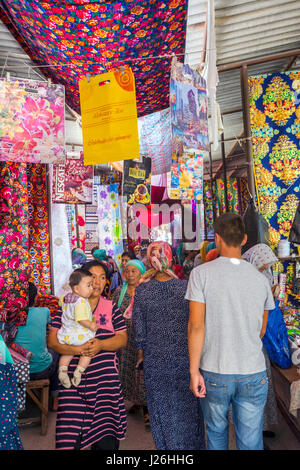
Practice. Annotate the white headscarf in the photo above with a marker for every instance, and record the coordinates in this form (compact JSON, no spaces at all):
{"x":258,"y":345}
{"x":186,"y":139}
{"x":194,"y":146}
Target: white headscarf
{"x":260,"y":255}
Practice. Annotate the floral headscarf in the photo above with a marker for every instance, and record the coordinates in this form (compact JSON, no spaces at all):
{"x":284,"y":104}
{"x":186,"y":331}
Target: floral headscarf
{"x":260,"y":255}
{"x":159,"y":257}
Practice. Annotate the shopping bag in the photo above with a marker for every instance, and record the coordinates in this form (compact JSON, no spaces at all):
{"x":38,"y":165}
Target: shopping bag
{"x":276,"y":339}
{"x":257,"y":228}
{"x":109,"y":117}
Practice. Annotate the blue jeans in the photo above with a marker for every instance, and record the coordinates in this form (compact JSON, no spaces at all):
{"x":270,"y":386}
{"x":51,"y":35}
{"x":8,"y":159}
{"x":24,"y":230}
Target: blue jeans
{"x":248,"y":396}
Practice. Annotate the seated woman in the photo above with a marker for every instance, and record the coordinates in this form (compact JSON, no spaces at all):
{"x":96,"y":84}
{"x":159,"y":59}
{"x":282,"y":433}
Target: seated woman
{"x":33,"y":336}
{"x":160,"y":321}
{"x":93,"y":414}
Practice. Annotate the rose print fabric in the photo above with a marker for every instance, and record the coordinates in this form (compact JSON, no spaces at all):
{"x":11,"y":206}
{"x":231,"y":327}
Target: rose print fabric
{"x":32,"y":120}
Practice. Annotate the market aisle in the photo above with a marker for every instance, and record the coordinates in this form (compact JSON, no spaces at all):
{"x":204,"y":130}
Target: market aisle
{"x":139,"y":439}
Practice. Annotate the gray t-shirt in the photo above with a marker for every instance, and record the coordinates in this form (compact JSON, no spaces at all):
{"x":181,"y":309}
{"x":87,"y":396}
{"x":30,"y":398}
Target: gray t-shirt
{"x":235,"y":295}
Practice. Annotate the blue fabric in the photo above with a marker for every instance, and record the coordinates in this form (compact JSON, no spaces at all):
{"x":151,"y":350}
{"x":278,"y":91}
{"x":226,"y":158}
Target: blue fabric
{"x":248,"y":396}
{"x":9,"y":433}
{"x":276,"y":339}
{"x":160,"y":321}
{"x":32,"y":336}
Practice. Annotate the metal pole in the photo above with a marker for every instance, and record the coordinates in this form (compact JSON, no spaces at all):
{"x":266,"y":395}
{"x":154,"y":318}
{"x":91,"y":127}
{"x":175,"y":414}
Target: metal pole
{"x":259,"y":60}
{"x":224,"y":173}
{"x":247,"y":128}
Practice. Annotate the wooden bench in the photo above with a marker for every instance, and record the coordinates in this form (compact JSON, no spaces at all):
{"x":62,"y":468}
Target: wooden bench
{"x":38,"y":390}
{"x":283,"y":378}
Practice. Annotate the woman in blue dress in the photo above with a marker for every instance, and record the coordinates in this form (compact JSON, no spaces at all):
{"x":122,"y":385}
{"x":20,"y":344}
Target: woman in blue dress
{"x":160,"y":321}
{"x":9,"y":433}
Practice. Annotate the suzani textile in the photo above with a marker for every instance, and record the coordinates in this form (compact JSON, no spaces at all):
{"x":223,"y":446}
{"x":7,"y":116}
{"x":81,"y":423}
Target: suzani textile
{"x":39,"y":256}
{"x":32,"y":122}
{"x":92,"y":36}
{"x":110,"y":222}
{"x":13,"y":242}
{"x":275,"y":126}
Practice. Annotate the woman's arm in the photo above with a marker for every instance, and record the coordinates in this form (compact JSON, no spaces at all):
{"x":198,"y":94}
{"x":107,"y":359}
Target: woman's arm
{"x":54,"y":344}
{"x":94,"y":346}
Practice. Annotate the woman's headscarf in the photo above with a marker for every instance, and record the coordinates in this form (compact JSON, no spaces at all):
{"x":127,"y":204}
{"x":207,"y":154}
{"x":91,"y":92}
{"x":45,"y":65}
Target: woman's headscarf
{"x":161,"y":263}
{"x":211,"y":255}
{"x":180,"y":253}
{"x":138,"y":264}
{"x":78,"y":258}
{"x":210,"y":246}
{"x":203,"y":247}
{"x":100,"y":255}
{"x":259,"y":255}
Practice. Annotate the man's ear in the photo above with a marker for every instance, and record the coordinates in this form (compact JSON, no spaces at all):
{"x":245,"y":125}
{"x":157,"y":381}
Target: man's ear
{"x":244,"y":240}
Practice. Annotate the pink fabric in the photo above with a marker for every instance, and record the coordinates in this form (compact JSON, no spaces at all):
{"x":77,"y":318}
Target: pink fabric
{"x":159,"y":257}
{"x":103,"y":314}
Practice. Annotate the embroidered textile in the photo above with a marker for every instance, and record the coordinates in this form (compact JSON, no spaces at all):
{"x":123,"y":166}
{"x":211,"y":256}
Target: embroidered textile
{"x":275,"y":126}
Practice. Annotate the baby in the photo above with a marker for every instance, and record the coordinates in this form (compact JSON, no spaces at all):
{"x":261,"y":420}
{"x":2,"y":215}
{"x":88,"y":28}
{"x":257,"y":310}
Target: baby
{"x":78,"y":326}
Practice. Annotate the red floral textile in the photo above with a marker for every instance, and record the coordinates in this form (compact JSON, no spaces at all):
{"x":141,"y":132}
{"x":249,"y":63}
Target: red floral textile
{"x":93,"y":36}
{"x":13,"y":242}
{"x":39,"y":264}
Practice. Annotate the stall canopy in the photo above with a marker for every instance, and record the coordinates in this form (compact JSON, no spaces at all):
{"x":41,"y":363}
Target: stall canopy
{"x":68,"y":39}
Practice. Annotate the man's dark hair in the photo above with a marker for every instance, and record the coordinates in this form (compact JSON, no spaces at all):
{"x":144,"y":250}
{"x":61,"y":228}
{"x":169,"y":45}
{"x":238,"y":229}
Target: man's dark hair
{"x":32,"y":293}
{"x":78,"y":275}
{"x":91,"y":264}
{"x":231,"y":228}
{"x":129,"y":254}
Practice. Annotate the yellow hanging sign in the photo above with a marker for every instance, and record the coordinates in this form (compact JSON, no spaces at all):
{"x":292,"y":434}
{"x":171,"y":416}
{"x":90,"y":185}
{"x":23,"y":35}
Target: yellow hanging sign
{"x":109,"y":117}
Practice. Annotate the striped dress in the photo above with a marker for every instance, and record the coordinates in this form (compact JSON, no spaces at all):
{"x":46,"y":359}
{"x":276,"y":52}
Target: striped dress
{"x":95,"y":409}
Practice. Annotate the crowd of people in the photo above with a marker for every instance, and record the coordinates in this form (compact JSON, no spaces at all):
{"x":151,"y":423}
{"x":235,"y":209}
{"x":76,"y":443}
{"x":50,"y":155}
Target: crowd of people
{"x":176,"y":333}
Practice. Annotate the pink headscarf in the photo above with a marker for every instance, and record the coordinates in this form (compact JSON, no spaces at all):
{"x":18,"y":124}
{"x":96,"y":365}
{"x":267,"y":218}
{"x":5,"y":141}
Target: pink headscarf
{"x":159,"y":257}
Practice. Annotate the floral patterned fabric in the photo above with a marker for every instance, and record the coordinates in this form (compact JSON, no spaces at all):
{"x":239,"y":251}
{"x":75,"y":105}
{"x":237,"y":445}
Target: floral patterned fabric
{"x":39,"y":257}
{"x":92,"y":36}
{"x":13,"y":242}
{"x":32,"y":121}
{"x":275,"y":126}
{"x":110,"y":223}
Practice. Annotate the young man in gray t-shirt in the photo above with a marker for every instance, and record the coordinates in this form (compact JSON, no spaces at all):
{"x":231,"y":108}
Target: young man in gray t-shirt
{"x":229,"y":304}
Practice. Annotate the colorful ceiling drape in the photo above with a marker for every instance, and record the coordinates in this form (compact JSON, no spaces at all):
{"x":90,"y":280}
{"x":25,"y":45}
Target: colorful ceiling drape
{"x":275,"y":126}
{"x":91,"y":36}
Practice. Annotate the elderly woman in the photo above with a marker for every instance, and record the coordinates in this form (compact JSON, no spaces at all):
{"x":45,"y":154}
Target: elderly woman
{"x":160,"y":321}
{"x":93,"y":414}
{"x":131,"y":377}
{"x":263,"y":258}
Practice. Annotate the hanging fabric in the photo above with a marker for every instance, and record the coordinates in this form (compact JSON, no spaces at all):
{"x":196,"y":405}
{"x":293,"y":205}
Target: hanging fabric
{"x":39,"y":254}
{"x":274,"y":116}
{"x":14,"y":240}
{"x":110,"y":223}
{"x":73,"y":182}
{"x":33,"y":121}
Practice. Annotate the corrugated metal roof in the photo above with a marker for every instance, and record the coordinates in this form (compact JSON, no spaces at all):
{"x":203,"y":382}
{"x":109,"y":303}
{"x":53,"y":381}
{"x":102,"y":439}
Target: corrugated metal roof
{"x":245,"y":29}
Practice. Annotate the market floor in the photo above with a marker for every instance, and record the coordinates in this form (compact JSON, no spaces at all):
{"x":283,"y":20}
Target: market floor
{"x":139,"y":439}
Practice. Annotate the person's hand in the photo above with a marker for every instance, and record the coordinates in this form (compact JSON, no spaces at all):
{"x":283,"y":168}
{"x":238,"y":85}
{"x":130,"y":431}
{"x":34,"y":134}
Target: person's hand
{"x":91,"y":348}
{"x":94,"y":327}
{"x":138,"y":362}
{"x":197,"y":385}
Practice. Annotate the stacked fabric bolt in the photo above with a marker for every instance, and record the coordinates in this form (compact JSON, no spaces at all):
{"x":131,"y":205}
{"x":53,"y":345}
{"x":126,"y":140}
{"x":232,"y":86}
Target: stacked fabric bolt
{"x":22,"y":351}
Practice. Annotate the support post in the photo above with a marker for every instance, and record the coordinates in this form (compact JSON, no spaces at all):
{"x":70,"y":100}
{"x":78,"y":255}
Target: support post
{"x":247,"y":128}
{"x":224,"y":172}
